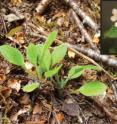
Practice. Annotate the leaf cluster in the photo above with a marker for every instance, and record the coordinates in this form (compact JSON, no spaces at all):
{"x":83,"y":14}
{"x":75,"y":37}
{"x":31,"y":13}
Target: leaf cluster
{"x":48,"y":64}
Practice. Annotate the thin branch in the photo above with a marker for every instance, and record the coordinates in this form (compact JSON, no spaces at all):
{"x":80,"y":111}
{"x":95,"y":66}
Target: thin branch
{"x":111,"y":115}
{"x":90,"y":60}
{"x":42,"y":6}
{"x":4,"y":24}
{"x":95,"y":55}
{"x":114,"y":87}
{"x":82,"y":29}
{"x":86,"y":19}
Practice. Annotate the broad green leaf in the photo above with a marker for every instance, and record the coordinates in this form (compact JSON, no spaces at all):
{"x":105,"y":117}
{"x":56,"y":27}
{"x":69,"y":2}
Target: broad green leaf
{"x":32,"y":53}
{"x":30,"y":87}
{"x":12,"y":55}
{"x":52,"y":72}
{"x":111,"y":33}
{"x":58,"y":54}
{"x":14,"y":30}
{"x":77,"y":71}
{"x":40,"y":48}
{"x":93,"y":88}
{"x":50,"y":39}
{"x":46,"y":62}
{"x":46,"y":59}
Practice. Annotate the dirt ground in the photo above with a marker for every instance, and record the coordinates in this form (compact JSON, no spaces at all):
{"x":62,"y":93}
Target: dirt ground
{"x":23,"y":22}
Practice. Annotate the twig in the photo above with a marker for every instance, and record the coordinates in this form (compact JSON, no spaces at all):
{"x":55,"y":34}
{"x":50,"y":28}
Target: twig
{"x":82,"y":29}
{"x":4,"y":24}
{"x":86,"y":19}
{"x":55,"y":115}
{"x":114,"y":87}
{"x":105,"y":109}
{"x":42,"y":6}
{"x":90,"y":60}
{"x":95,"y":55}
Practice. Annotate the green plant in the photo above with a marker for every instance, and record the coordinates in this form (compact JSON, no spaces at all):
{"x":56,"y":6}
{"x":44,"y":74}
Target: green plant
{"x":111,"y":33}
{"x":94,"y":88}
{"x":75,"y":72}
{"x":30,"y":87}
{"x":47,"y":63}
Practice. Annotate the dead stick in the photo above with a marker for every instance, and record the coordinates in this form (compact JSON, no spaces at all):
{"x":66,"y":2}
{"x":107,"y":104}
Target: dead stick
{"x":114,"y":87}
{"x":105,"y":109}
{"x":42,"y":6}
{"x":86,"y":19}
{"x":82,"y":29}
{"x":91,"y":60}
{"x":95,"y":55}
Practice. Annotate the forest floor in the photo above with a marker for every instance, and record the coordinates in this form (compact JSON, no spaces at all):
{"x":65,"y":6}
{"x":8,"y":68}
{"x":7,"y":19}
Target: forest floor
{"x":22,"y":22}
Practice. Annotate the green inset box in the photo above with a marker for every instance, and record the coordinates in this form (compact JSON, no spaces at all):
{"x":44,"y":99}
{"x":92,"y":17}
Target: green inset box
{"x":109,"y":27}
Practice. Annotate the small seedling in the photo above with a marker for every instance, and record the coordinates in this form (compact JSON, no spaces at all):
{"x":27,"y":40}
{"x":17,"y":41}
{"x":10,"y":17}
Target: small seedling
{"x":45,"y":62}
{"x":48,"y":64}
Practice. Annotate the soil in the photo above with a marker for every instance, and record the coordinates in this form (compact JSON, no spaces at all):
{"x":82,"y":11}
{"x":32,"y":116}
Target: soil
{"x":49,"y":105}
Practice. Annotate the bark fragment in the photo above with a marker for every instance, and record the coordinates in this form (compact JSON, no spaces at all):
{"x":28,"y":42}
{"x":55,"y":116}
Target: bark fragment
{"x":95,"y":55}
{"x":86,"y":19}
{"x":42,"y":6}
{"x":82,"y":29}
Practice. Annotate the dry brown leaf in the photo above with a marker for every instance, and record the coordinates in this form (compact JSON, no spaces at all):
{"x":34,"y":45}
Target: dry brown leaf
{"x":96,"y":38}
{"x":6,"y":91}
{"x":61,"y":19}
{"x":25,"y":99}
{"x":14,"y":84}
{"x":40,"y":18}
{"x":14,"y":117}
{"x":37,"y":109}
{"x":16,"y":2}
{"x":60,"y":117}
{"x":19,"y":37}
{"x":110,"y":91}
{"x":59,"y":14}
{"x":2,"y":77}
{"x":71,"y":54}
{"x":35,"y":122}
{"x":90,"y":75}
